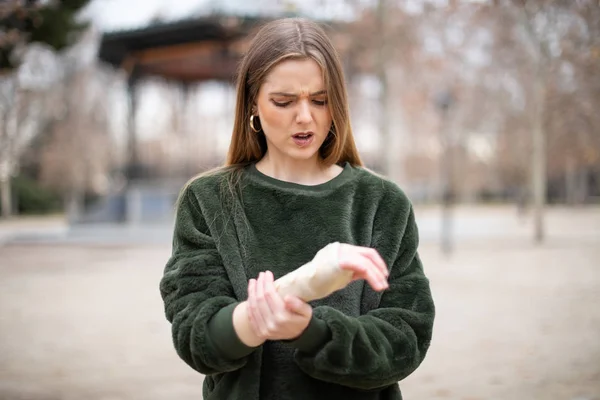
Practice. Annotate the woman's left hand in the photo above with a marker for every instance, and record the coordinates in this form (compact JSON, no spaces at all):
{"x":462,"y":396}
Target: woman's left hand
{"x":272,"y":317}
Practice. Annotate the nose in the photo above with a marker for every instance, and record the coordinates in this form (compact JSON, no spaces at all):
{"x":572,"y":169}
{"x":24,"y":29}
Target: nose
{"x":304,"y":116}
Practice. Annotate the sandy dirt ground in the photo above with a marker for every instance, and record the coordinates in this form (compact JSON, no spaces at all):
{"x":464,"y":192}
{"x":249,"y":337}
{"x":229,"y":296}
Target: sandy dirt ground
{"x":515,"y":321}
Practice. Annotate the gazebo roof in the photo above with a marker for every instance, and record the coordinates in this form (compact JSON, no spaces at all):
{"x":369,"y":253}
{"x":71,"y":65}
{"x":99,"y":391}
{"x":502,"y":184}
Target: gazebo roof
{"x":188,"y":50}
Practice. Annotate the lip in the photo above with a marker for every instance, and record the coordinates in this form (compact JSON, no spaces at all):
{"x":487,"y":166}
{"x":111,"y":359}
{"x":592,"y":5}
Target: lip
{"x":303,"y":142}
{"x":304,"y":133}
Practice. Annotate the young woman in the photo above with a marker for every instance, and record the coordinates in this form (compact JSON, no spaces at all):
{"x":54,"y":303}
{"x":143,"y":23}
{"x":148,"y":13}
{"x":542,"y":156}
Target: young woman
{"x":356,"y":314}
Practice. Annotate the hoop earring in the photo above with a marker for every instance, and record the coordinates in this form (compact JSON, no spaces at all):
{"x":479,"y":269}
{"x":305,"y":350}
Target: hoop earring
{"x":252,"y":124}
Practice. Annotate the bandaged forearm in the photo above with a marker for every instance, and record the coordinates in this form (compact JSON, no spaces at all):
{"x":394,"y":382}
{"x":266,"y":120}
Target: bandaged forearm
{"x":316,"y":279}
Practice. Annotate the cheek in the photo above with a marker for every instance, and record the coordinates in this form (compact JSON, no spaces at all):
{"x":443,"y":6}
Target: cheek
{"x":272,"y":117}
{"x":324,"y":118}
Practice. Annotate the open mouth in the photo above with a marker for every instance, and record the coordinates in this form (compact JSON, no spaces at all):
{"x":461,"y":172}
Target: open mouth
{"x":302,"y":135}
{"x":303,"y":139}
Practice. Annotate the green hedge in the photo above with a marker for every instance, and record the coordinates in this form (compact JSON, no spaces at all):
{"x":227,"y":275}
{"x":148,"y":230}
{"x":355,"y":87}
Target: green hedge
{"x":31,"y":198}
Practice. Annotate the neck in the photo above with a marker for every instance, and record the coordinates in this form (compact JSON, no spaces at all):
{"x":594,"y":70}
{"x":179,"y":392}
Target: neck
{"x":305,"y":172}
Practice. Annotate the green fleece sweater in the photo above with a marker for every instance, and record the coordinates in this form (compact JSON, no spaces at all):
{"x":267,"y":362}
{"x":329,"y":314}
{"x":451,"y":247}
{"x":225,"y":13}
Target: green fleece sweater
{"x":359,"y":344}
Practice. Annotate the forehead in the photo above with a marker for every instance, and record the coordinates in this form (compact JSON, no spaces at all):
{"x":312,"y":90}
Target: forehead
{"x":295,"y":76}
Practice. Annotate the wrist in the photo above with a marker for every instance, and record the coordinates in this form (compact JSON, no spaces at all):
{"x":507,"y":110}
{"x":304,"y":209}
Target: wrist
{"x":241,"y":325}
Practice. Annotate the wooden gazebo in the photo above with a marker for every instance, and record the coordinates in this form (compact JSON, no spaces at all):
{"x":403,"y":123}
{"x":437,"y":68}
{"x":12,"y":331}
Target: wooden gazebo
{"x":185,"y":52}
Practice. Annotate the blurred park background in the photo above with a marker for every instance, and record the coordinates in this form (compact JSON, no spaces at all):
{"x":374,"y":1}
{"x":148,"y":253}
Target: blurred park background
{"x":486,"y":112}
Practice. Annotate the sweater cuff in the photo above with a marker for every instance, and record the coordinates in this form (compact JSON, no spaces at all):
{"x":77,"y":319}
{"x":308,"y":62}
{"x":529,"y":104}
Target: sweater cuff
{"x":222,"y":333}
{"x":314,"y":336}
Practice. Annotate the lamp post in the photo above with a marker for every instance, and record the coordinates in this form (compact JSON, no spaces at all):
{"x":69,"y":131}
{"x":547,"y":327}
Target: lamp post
{"x":444,"y":101}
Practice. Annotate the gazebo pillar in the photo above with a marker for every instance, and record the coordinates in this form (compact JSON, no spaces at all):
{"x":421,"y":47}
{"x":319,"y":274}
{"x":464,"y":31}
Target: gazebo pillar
{"x":133,"y":169}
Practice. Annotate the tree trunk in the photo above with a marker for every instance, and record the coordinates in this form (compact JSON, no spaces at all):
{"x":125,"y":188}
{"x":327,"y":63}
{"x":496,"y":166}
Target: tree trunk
{"x":6,"y":156}
{"x":387,"y":142}
{"x":582,"y":186}
{"x":538,"y":139}
{"x":5,"y":188}
{"x":538,"y":158}
{"x":570,"y":181}
{"x":448,"y":187}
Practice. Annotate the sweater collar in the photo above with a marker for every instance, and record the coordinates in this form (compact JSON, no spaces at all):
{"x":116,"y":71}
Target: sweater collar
{"x":339,"y":180}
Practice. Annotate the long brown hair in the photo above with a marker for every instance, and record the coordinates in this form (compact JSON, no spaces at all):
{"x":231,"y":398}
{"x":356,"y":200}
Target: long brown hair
{"x":279,"y":40}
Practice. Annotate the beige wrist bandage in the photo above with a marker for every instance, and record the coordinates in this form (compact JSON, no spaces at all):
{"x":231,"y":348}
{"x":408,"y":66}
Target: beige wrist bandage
{"x":316,"y":279}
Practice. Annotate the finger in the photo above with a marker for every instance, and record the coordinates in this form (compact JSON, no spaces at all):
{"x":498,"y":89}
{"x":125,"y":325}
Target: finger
{"x":255,"y":318}
{"x":277,"y":316}
{"x":297,"y":306}
{"x":379,"y":261}
{"x":374,"y":276}
{"x":274,"y":300}
{"x":260,"y":305}
{"x":377,"y":281}
{"x":357,"y":263}
{"x":364,"y":268}
{"x":254,"y":308}
{"x":263,"y":304}
{"x":375,"y":257}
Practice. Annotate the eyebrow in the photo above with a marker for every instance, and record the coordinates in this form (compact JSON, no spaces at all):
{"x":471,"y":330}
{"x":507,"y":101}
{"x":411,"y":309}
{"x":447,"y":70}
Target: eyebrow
{"x":283,"y":94}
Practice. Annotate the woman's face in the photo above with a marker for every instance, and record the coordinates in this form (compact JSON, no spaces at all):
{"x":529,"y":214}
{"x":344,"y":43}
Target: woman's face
{"x":293,"y":111}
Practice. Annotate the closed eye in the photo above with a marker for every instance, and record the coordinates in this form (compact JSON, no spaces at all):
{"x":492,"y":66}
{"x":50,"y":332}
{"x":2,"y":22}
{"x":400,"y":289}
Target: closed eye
{"x":281,"y":104}
{"x":287,"y":103}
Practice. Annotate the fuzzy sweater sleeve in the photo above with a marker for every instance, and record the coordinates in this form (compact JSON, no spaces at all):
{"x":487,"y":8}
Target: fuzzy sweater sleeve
{"x":385,"y":345}
{"x":197,"y":296}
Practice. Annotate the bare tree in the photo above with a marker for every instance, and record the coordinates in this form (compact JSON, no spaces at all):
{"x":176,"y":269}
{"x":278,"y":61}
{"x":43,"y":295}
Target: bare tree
{"x":538,"y":158}
{"x":23,"y":23}
{"x":21,"y":112}
{"x":78,"y":156}
{"x":573,"y":98}
{"x":8,"y":140}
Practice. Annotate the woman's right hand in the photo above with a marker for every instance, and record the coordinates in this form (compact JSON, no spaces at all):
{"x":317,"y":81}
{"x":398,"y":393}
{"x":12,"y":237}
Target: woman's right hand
{"x":271,"y":316}
{"x":365,"y":263}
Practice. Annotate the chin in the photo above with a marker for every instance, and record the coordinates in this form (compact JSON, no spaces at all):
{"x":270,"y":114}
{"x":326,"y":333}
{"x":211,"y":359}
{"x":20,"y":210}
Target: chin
{"x":303,"y":154}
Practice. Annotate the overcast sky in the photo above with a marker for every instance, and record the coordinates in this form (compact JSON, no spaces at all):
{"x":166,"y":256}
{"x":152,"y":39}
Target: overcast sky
{"x":127,"y":14}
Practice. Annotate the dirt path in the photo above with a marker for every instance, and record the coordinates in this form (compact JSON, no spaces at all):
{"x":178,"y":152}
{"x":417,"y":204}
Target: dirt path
{"x":514,"y":322}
